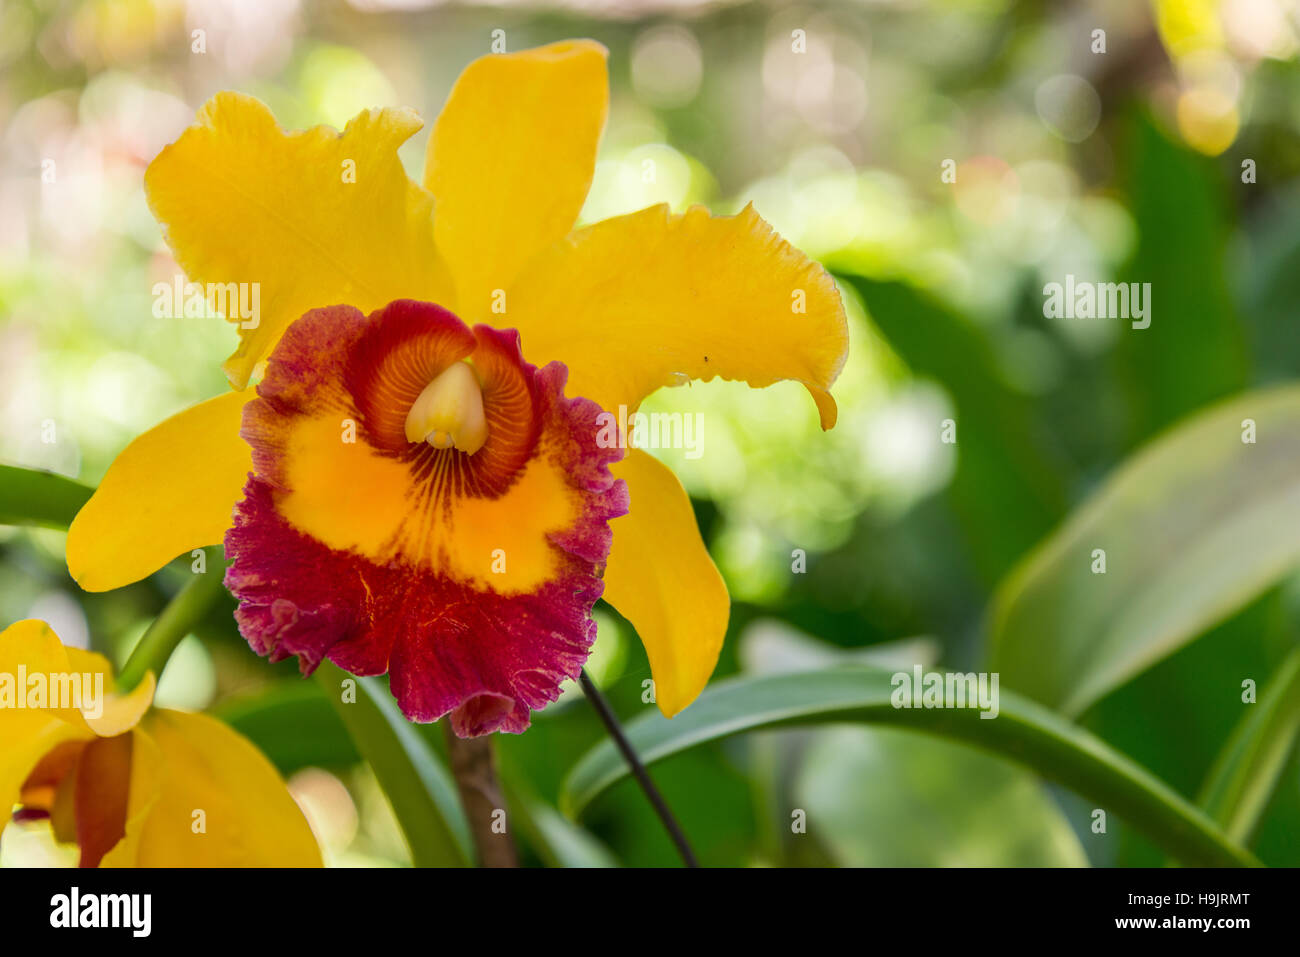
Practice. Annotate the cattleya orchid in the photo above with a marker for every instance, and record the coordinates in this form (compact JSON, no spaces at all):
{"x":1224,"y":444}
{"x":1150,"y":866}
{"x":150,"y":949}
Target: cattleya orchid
{"x":123,"y":780}
{"x":416,"y":485}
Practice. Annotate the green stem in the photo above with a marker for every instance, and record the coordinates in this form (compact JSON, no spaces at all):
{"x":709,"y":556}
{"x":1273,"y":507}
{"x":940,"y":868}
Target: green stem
{"x":175,"y":622}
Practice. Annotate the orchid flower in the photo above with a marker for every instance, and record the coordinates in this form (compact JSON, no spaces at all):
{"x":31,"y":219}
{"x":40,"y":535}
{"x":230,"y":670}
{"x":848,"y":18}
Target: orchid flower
{"x":418,"y":484}
{"x":129,"y":784}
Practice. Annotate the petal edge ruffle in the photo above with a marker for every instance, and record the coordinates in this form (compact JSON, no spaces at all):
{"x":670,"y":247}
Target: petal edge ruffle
{"x":651,"y":299}
{"x":312,"y":217}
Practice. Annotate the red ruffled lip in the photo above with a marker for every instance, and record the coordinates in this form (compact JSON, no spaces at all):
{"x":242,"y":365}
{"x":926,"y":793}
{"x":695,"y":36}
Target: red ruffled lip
{"x":404,"y":580}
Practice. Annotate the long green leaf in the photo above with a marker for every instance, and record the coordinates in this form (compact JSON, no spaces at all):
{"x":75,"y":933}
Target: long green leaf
{"x":1023,"y":731}
{"x":559,"y":841}
{"x":35,"y":497}
{"x":883,"y":797}
{"x":1193,"y":527}
{"x":419,"y":788}
{"x":1241,"y":783}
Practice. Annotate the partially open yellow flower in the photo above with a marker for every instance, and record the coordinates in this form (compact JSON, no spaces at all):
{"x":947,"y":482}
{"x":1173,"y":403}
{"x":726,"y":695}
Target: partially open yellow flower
{"x":424,"y":499}
{"x":130,"y":785}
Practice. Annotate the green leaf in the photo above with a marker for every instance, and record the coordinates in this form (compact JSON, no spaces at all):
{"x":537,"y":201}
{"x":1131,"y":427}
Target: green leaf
{"x":563,"y":843}
{"x":1023,"y":732}
{"x":418,"y":786}
{"x":1194,"y":351}
{"x":880,"y":797}
{"x":1267,"y":279}
{"x":1241,"y":783}
{"x":35,"y":497}
{"x":556,"y":839}
{"x":1193,"y":527}
{"x":275,"y":719}
{"x":1007,"y":489}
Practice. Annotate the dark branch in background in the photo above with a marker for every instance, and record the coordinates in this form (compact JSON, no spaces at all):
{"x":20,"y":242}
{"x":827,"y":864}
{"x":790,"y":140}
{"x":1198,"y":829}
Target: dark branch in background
{"x":476,"y":780}
{"x":639,"y":772}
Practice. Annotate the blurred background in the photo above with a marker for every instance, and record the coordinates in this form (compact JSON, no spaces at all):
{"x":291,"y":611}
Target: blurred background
{"x":1111,"y":140}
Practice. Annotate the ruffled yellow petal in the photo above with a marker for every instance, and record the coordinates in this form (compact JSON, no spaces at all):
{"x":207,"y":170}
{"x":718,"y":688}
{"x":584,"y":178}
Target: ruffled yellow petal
{"x":171,"y":490}
{"x":660,"y":577}
{"x":315,"y":218}
{"x":650,"y":299}
{"x":510,"y":162}
{"x":220,"y":803}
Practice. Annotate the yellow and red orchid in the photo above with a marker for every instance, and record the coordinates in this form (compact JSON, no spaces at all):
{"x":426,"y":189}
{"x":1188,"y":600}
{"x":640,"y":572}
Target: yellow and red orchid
{"x":133,"y":785}
{"x":408,"y":489}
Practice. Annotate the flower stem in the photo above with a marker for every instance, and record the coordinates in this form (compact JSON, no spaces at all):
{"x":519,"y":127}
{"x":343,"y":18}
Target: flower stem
{"x":480,"y":794}
{"x":173,"y":624}
{"x":639,"y":771}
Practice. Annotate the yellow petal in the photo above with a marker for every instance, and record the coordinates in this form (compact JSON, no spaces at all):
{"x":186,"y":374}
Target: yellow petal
{"x":660,"y":577}
{"x":510,"y":162}
{"x":117,"y":713}
{"x":248,"y":817}
{"x":171,"y":490}
{"x":102,"y":781}
{"x":28,"y":734}
{"x":646,"y":300}
{"x":142,"y":795}
{"x":33,"y":646}
{"x":120,"y":712}
{"x":315,"y":218}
